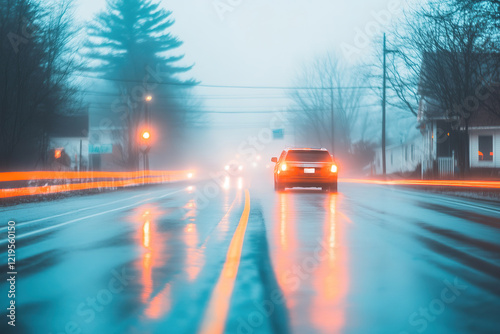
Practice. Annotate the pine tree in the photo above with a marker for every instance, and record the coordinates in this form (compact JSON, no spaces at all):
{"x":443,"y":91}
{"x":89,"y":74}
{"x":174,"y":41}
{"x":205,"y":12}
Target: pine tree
{"x":130,"y":45}
{"x":131,"y":35}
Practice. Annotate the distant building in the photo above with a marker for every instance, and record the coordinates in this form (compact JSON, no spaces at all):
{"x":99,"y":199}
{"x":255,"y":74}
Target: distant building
{"x":69,"y":142}
{"x":106,"y":148}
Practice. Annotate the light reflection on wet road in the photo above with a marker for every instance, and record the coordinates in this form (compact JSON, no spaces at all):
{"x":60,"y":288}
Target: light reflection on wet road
{"x":184,"y":259}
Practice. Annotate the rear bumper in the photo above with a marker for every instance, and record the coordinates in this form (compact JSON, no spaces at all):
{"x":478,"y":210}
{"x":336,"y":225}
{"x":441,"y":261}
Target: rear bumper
{"x":306,"y":181}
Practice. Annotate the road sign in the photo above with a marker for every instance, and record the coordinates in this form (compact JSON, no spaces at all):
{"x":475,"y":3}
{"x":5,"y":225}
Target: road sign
{"x":278,"y":134}
{"x":100,"y":148}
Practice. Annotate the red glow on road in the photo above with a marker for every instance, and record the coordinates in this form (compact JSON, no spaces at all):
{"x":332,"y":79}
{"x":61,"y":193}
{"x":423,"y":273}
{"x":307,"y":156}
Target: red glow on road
{"x":432,"y":183}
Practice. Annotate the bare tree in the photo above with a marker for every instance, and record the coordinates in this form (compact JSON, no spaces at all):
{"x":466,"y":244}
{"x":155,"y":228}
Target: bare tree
{"x":36,"y":68}
{"x":326,"y":89}
{"x":440,"y":57}
{"x":487,"y":8}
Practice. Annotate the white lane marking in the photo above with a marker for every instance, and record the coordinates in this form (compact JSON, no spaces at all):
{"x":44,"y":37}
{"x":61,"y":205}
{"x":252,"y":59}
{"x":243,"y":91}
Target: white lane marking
{"x":90,"y":216}
{"x":75,"y":211}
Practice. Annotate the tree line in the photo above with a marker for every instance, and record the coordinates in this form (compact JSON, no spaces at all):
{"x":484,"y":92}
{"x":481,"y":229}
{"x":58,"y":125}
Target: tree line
{"x":128,"y":44}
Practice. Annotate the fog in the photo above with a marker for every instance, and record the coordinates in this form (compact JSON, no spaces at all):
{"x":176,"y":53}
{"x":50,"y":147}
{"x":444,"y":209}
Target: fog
{"x":261,"y":47}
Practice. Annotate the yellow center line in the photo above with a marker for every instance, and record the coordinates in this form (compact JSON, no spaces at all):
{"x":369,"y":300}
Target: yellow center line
{"x":214,"y":320}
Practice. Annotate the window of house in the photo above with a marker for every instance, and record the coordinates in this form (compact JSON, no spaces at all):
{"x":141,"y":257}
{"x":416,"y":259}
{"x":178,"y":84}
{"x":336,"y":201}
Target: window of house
{"x":412,"y":152}
{"x":485,"y":148}
{"x":406,"y":153}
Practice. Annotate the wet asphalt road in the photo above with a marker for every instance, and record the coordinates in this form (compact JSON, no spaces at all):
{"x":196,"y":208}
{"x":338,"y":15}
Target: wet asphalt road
{"x":187,"y":258}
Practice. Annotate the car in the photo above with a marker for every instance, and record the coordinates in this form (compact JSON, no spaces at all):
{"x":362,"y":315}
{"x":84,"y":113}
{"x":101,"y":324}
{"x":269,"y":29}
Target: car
{"x":305,"y":167}
{"x":234,"y":168}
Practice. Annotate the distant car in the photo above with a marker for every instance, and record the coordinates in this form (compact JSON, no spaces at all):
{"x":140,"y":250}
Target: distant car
{"x":234,"y":168}
{"x":305,"y":168}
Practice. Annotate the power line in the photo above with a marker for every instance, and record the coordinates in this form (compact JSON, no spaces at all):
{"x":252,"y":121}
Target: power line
{"x":205,"y":97}
{"x":96,"y":106}
{"x":227,"y":86}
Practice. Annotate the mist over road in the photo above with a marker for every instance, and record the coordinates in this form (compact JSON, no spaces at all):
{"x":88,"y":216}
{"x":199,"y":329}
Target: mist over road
{"x":246,"y":259}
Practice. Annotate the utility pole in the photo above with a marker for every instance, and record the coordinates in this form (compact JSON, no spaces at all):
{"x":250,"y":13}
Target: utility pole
{"x":384,"y":103}
{"x":384,"y":97}
{"x":80,"y":161}
{"x":332,"y":117}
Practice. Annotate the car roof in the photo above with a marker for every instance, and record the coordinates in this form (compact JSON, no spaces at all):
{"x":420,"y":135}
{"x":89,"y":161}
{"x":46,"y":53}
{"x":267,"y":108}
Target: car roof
{"x":306,"y":149}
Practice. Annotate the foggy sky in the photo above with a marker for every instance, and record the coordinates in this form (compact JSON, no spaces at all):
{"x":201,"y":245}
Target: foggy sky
{"x":263,"y":43}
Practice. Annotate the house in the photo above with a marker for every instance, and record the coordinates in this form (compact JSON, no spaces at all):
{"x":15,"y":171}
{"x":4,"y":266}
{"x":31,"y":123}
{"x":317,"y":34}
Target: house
{"x":69,"y":142}
{"x":484,"y":141}
{"x":466,"y":137}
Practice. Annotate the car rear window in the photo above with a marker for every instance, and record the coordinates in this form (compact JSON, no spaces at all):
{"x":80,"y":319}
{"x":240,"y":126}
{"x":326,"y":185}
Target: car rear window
{"x":309,"y":156}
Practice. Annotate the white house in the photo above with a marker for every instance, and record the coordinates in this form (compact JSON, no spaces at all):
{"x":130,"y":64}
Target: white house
{"x":403,"y":155}
{"x":484,"y":147}
{"x":441,"y":138}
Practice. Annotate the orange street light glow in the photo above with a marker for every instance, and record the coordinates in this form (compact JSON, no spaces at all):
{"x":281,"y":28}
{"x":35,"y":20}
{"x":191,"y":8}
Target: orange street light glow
{"x":146,"y":135}
{"x":53,"y":175}
{"x":432,"y":183}
{"x":80,"y":181}
{"x":149,"y":98}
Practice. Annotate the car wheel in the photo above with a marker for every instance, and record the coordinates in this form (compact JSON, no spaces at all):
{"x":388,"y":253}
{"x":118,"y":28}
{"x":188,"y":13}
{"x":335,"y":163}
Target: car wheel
{"x":333,"y":187}
{"x":278,"y":187}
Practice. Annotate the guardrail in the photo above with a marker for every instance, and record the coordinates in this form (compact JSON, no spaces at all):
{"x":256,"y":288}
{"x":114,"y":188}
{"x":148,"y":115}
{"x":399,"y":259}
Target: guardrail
{"x":17,"y":184}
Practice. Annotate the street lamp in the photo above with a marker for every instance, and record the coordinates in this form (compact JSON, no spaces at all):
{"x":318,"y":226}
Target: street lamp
{"x":146,"y":135}
{"x":148,"y":99}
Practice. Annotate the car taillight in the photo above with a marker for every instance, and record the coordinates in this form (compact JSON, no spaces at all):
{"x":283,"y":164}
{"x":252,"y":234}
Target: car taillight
{"x":283,"y":167}
{"x":334,"y":169}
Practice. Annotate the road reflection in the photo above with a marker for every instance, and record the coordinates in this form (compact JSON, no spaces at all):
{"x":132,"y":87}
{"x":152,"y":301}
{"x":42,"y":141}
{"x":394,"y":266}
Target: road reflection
{"x":310,"y":260}
{"x":284,"y":258}
{"x":195,"y":258}
{"x":330,"y":280}
{"x":153,"y":244}
{"x":167,"y":249}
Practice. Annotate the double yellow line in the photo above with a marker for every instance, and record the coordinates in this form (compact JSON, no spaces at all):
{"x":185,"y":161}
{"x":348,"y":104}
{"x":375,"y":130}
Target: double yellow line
{"x":214,"y":320}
